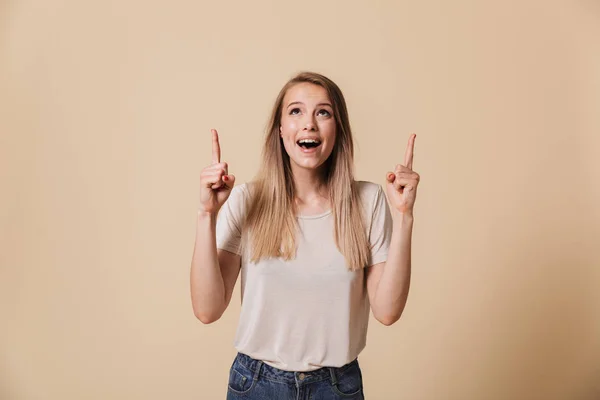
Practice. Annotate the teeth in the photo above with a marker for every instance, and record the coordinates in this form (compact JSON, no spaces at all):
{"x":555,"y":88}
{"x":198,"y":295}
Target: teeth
{"x":308,"y":141}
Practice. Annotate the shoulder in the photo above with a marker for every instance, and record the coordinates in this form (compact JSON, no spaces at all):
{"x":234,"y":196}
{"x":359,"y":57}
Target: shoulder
{"x":369,"y":191}
{"x":238,"y":198}
{"x":372,"y":197}
{"x":243,"y":190}
{"x":240,"y":190}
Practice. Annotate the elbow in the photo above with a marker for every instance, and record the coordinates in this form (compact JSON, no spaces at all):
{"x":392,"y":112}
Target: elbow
{"x":388,"y":320}
{"x":206,"y":312}
{"x":206,"y":318}
{"x":389,"y":315}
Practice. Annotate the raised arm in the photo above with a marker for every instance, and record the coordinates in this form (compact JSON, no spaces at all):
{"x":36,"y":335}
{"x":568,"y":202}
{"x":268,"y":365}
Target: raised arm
{"x":213,"y":271}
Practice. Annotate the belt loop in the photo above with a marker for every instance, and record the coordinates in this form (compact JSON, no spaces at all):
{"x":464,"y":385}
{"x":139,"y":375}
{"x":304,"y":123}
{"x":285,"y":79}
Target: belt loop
{"x":257,"y":372}
{"x":333,"y":377}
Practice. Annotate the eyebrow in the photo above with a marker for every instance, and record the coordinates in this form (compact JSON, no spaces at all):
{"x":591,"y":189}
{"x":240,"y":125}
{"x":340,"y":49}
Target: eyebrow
{"x":299,"y":102}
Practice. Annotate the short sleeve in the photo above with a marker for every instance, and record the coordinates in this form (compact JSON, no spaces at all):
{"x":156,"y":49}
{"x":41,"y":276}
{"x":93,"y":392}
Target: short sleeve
{"x":228,"y":229}
{"x":380,"y":233}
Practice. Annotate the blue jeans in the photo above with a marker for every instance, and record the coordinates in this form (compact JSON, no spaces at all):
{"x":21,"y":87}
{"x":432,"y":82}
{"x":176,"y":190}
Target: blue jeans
{"x":251,"y":379}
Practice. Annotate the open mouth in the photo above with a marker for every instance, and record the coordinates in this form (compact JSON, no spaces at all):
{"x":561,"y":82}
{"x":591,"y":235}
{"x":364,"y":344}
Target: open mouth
{"x":308,"y":143}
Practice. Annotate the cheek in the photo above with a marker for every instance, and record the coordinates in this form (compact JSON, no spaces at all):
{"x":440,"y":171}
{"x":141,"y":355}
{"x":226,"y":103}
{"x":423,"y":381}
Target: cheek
{"x":288,"y":126}
{"x":287,"y":134}
{"x":328,"y":131}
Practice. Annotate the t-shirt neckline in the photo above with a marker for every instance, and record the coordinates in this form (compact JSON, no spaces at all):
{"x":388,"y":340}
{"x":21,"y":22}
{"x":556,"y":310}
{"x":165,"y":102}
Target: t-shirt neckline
{"x":326,"y":213}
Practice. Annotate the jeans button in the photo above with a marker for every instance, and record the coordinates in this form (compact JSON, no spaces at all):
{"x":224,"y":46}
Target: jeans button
{"x":301,"y":376}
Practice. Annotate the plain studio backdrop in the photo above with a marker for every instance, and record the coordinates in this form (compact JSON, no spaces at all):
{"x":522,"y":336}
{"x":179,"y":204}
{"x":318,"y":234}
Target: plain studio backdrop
{"x":105,"y":116}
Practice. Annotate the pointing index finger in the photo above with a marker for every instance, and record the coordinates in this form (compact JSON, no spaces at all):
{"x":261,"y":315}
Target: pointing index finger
{"x":216,"y":149}
{"x":408,"y":157}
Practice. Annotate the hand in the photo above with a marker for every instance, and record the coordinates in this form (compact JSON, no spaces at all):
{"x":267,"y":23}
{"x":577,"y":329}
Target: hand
{"x":215,"y":182}
{"x":402,"y":183}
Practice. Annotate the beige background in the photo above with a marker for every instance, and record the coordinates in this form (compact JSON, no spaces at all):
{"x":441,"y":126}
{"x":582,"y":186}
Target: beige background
{"x":105,"y":111}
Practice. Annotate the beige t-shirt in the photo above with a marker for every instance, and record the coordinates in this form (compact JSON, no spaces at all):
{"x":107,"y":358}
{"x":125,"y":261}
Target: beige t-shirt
{"x":309,"y":312}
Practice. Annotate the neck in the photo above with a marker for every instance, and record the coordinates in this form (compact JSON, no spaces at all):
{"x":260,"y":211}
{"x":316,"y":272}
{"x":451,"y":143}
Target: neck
{"x":309,"y":186}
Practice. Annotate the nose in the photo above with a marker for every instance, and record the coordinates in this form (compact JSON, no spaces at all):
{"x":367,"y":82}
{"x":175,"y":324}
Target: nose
{"x":310,"y":124}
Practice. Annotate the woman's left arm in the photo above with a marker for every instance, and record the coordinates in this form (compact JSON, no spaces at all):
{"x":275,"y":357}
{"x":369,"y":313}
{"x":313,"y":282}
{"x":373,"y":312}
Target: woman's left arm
{"x":388,"y":283}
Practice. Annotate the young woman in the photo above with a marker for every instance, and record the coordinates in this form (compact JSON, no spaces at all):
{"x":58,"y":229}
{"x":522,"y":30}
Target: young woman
{"x":316,"y":249}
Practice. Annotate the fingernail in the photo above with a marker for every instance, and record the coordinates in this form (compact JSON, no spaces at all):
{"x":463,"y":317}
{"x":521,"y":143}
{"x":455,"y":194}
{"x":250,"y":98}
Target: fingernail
{"x":225,"y":178}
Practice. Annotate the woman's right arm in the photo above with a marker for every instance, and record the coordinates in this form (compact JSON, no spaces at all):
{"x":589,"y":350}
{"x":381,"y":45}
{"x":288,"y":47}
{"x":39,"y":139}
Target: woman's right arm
{"x":213,"y":272}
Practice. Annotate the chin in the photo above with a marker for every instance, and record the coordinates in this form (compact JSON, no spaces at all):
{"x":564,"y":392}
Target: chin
{"x":310,"y":164}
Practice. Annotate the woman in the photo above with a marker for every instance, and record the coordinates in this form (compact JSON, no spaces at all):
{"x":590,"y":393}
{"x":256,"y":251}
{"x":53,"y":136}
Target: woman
{"x":316,"y":249}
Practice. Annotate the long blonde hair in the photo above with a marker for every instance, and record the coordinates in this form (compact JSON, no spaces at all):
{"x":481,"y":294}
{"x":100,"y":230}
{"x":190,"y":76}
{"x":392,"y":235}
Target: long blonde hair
{"x":272,"y":220}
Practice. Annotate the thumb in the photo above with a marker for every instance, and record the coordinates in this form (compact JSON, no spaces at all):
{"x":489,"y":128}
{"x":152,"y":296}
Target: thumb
{"x":229,"y":180}
{"x":390,"y":177}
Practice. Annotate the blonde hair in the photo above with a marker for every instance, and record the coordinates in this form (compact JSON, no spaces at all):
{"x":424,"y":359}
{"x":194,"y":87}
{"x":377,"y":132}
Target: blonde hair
{"x":271,"y":221}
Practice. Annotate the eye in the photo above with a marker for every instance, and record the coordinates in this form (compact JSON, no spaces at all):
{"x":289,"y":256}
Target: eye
{"x":327,"y":113}
{"x":294,"y":111}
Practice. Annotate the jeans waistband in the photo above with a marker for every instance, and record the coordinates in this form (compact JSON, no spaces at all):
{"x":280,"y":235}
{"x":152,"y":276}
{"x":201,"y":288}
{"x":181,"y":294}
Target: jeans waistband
{"x":275,"y":374}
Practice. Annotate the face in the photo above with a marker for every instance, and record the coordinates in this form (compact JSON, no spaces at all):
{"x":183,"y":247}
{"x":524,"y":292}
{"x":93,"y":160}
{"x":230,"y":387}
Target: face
{"x":307,"y":125}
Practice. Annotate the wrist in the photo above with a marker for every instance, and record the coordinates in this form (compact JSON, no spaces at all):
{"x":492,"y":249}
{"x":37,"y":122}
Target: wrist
{"x":202,"y":214}
{"x":406,"y":216}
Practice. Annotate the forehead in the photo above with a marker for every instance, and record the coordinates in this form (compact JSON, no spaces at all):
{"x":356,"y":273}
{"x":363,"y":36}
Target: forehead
{"x":306,"y":93}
